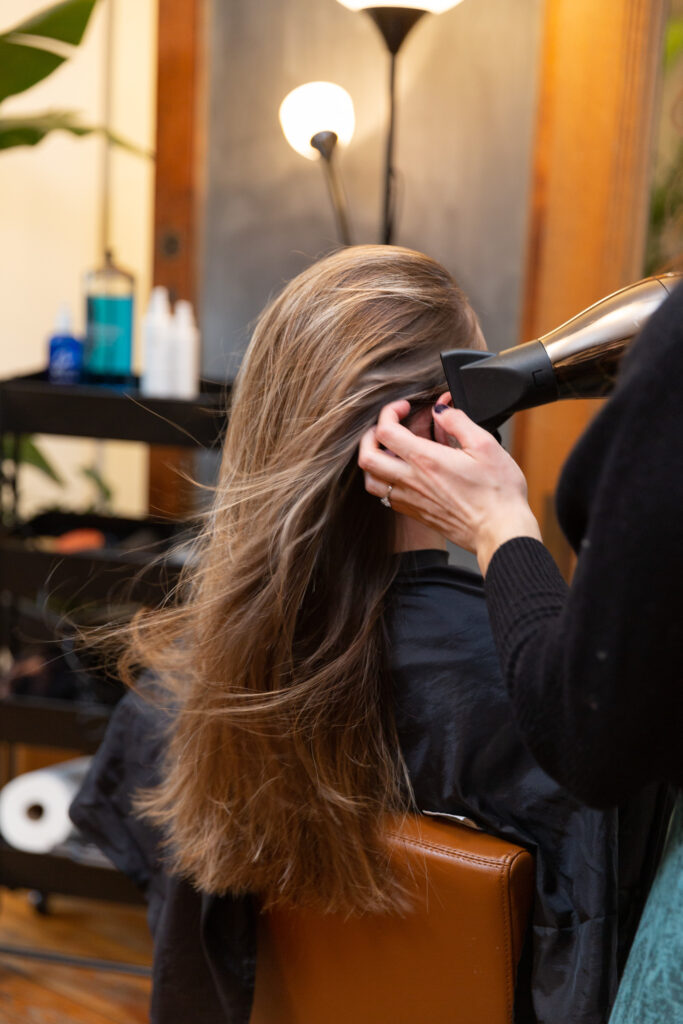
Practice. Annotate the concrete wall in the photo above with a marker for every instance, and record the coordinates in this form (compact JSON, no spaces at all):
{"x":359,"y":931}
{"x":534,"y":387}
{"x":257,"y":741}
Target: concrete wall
{"x":466,"y":97}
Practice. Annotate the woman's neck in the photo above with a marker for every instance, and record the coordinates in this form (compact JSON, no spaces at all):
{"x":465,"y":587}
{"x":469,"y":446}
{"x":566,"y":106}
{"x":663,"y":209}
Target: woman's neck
{"x":413,"y":536}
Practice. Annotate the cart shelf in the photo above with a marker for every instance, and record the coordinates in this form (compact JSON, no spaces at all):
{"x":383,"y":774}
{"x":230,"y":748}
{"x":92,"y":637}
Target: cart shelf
{"x":40,"y":721}
{"x":47,"y":873}
{"x":32,"y":405}
{"x":121,"y":571}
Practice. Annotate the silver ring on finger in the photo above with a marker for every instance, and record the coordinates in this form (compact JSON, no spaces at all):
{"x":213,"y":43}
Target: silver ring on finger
{"x":385,"y":500}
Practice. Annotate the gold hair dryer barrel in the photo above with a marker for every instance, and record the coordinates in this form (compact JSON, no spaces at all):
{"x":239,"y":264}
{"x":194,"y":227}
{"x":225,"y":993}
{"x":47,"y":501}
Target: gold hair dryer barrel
{"x":579,"y":359}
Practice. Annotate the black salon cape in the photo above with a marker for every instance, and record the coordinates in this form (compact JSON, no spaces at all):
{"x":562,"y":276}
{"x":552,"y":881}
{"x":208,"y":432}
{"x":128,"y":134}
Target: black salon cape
{"x":465,"y":757}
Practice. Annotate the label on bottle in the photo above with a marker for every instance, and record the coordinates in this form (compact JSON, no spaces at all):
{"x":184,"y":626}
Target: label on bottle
{"x":110,"y":333}
{"x":66,"y":360}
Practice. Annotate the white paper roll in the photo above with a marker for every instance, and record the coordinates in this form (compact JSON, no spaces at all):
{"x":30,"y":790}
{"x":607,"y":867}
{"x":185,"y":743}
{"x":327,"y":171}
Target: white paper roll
{"x":34,"y":807}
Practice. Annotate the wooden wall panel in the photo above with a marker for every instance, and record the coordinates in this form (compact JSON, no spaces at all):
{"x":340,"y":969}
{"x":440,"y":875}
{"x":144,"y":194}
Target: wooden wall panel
{"x":177,"y":198}
{"x":595,"y":130}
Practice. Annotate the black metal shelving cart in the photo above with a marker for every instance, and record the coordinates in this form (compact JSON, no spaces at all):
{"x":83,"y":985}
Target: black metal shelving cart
{"x":31,"y":405}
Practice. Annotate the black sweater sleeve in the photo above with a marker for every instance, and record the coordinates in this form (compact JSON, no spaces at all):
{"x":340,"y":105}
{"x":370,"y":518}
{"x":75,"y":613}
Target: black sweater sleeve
{"x":595,"y":672}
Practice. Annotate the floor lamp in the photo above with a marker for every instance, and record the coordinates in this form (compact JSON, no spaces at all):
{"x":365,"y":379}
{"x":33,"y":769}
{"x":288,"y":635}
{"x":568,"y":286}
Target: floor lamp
{"x":394,"y":20}
{"x":315,"y":118}
{"x":318,"y":115}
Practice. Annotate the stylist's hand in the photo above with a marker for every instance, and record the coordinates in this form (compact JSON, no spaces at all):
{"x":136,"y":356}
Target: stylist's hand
{"x":474,"y":494}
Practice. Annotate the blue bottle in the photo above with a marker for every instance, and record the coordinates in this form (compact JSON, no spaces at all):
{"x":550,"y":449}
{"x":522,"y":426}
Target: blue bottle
{"x":109,"y":319}
{"x":65,"y":358}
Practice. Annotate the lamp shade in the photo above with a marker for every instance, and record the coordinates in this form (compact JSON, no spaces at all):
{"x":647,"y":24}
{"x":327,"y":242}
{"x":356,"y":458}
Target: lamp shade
{"x":428,"y":6}
{"x":313,"y":108}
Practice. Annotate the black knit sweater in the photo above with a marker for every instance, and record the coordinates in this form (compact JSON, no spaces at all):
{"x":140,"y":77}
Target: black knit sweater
{"x":595,"y":672}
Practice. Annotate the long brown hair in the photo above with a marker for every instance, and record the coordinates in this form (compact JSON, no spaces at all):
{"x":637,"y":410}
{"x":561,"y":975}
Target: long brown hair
{"x":282,"y":757}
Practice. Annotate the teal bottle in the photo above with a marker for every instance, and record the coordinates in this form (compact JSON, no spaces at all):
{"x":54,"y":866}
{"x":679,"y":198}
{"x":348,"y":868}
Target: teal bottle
{"x":109,"y":318}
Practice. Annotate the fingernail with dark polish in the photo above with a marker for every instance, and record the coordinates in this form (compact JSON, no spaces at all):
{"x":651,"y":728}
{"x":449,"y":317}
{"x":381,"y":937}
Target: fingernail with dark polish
{"x":439,"y":407}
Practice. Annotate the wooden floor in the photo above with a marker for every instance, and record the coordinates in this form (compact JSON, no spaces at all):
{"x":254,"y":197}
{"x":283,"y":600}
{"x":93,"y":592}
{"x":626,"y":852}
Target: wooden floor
{"x":32,"y":992}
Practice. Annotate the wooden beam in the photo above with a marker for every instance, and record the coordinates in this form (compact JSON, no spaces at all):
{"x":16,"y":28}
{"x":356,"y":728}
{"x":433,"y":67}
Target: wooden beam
{"x":590,"y":195}
{"x":177,"y":198}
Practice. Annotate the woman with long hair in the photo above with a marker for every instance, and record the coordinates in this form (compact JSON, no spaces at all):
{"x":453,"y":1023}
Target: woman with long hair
{"x":326,"y":667}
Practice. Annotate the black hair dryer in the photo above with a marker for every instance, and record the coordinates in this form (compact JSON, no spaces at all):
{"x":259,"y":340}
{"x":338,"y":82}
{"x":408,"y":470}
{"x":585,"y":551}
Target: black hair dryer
{"x":579,"y":359}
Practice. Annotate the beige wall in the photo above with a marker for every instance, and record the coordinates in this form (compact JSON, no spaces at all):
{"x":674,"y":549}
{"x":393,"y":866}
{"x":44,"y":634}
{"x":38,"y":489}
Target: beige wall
{"x":50,"y":216}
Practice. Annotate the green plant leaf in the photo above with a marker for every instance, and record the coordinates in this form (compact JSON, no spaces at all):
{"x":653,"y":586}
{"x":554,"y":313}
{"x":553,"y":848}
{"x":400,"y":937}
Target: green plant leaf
{"x":30,"y":455}
{"x":22,"y":66}
{"x":673,"y":42}
{"x":30,"y":129}
{"x":64,"y":21}
{"x":104,"y":491}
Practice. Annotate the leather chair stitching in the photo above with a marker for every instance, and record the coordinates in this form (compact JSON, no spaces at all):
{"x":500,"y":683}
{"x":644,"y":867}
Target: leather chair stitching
{"x":507,"y":928}
{"x":450,"y":854}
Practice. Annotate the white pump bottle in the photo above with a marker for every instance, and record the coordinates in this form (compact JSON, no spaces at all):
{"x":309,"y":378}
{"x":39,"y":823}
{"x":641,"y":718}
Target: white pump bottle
{"x":184,"y":362}
{"x":156,"y":375}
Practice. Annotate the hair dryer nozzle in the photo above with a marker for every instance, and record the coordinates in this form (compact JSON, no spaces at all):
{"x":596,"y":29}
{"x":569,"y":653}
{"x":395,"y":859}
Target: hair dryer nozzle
{"x":489,"y":388}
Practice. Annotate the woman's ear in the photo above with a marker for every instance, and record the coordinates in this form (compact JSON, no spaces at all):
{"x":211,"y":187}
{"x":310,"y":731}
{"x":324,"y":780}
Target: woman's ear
{"x":420,"y":423}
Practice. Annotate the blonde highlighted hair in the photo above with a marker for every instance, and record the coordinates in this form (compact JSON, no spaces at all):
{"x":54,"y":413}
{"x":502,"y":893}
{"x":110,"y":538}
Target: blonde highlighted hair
{"x":282,"y":757}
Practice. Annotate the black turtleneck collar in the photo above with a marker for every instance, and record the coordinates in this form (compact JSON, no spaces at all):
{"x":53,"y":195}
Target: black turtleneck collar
{"x":426,"y":558}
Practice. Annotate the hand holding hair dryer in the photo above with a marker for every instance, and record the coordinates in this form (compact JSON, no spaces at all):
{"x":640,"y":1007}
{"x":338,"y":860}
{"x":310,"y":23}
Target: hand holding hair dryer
{"x":579,"y":359}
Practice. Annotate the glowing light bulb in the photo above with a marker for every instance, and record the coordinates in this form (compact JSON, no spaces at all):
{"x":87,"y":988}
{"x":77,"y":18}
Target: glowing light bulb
{"x":429,"y":6}
{"x":316,"y":107}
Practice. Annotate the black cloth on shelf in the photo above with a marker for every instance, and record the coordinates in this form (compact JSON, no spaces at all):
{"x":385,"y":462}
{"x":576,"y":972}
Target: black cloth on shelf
{"x":595,"y":672}
{"x":464,"y":757}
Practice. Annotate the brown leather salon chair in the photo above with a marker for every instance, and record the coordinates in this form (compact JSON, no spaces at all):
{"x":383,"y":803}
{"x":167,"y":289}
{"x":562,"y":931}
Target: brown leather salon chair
{"x":453,"y":960}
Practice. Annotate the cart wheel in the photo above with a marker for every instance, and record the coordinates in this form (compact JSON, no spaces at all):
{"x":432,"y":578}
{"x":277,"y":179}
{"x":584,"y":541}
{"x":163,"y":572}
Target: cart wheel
{"x":38,"y":901}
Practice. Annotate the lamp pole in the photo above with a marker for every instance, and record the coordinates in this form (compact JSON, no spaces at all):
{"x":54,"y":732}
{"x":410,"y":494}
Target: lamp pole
{"x":316,"y":118}
{"x":317,"y":115}
{"x":394,"y":23}
{"x":325,"y":143}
